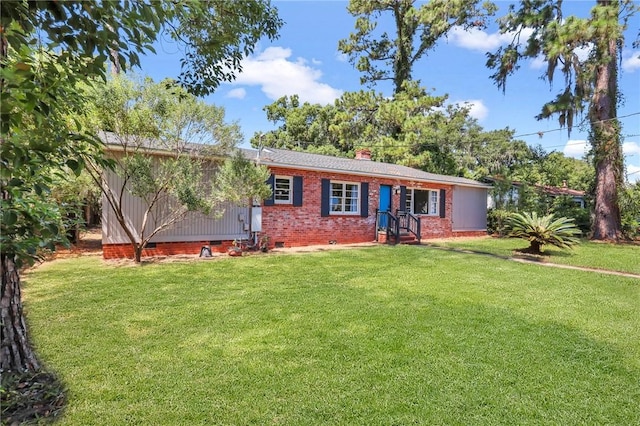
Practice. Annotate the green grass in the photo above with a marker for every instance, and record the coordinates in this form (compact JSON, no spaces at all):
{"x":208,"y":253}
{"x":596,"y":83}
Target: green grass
{"x":375,"y":336}
{"x":614,"y":257}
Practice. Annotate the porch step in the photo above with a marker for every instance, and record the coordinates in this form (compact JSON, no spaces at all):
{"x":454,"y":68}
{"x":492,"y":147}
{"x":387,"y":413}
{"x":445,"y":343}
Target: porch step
{"x":407,"y":239}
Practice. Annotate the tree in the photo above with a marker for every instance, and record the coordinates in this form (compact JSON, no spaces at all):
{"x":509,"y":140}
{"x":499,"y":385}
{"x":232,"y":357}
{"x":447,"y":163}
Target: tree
{"x":412,"y":128}
{"x":46,"y":50}
{"x":417,"y":30}
{"x":588,"y":84}
{"x":193,"y":141}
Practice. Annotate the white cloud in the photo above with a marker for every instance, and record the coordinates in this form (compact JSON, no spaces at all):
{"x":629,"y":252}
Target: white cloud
{"x":631,"y":148}
{"x":583,"y":52}
{"x":631,"y":62}
{"x":576,"y":148}
{"x":278,"y":75}
{"x":633,"y":173}
{"x":477,"y":109}
{"x":538,"y":62}
{"x":239,"y":93}
{"x":481,"y":41}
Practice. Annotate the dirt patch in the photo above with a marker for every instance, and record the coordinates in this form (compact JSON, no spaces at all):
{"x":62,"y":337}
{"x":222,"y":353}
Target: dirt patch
{"x":89,"y":244}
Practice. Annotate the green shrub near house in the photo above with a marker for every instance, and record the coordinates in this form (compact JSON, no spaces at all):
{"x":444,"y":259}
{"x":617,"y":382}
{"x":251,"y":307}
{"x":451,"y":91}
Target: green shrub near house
{"x":543,"y":230}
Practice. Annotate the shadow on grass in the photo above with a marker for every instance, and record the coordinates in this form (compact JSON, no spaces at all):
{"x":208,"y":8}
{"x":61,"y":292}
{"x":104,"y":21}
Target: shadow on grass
{"x":518,"y":253}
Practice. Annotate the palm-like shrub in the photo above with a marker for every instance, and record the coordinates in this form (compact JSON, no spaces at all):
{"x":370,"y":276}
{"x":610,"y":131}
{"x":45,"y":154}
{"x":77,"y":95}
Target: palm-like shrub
{"x":543,"y":230}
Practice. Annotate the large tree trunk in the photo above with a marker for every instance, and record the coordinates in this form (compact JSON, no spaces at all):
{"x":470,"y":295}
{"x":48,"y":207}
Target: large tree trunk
{"x":16,"y":354}
{"x":605,"y":137}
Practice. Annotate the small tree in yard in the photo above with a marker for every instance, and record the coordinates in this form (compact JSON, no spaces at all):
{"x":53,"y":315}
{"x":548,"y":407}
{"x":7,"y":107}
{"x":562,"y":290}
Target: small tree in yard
{"x":543,"y":230}
{"x":190,"y":142}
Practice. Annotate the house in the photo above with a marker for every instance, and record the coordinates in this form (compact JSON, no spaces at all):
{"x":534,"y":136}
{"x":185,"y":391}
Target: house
{"x":319,"y":199}
{"x":512,"y":194}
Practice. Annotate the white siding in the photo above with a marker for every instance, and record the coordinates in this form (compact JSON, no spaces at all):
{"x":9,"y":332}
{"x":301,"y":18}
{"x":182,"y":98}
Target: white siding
{"x":469,"y":209}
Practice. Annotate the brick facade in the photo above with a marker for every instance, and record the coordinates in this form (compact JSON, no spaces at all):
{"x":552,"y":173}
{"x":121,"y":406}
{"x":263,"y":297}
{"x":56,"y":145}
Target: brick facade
{"x":291,"y":226}
{"x":125,"y":251}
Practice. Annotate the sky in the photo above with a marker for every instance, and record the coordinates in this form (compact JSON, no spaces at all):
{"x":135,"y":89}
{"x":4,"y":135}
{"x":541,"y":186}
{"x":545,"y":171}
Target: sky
{"x":305,"y":60}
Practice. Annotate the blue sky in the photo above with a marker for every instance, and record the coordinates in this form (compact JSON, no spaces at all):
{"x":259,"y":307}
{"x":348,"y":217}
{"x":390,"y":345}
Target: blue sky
{"x":305,"y":60}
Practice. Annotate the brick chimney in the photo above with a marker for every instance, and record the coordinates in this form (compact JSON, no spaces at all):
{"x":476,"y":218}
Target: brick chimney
{"x":363,"y":154}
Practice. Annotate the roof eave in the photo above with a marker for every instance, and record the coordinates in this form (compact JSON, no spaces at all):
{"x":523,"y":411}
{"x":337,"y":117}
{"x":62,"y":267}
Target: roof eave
{"x":384,"y":175}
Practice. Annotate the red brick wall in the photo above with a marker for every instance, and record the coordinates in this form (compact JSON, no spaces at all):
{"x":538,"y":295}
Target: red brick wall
{"x":123,"y":251}
{"x":300,"y":226}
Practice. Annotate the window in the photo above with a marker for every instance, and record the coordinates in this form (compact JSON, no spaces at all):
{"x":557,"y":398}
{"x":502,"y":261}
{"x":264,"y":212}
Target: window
{"x":283,"y":190}
{"x":344,"y":198}
{"x":425,"y":201}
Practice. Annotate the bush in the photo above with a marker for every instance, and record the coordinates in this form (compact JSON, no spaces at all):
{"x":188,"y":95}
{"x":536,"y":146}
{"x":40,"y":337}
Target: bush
{"x":497,"y":220}
{"x":543,"y":230}
{"x":630,"y":210}
{"x":565,"y":206}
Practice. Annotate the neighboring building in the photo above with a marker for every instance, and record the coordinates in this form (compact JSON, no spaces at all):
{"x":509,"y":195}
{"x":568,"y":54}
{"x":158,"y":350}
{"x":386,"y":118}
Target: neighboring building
{"x":319,"y":199}
{"x":512,"y":195}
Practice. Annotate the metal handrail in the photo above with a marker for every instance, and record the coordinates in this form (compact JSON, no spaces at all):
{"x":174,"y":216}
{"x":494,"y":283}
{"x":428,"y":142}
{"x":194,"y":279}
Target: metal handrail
{"x":389,"y":223}
{"x":409,"y":222}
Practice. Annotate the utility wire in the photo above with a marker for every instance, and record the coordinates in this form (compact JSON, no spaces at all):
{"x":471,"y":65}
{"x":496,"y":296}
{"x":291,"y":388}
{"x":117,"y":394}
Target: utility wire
{"x":540,"y":133}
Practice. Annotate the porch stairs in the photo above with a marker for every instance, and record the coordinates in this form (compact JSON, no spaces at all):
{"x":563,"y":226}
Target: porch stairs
{"x":403,"y":238}
{"x":407,"y":238}
{"x":401,"y":228}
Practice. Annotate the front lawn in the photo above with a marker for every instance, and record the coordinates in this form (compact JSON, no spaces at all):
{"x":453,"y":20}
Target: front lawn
{"x":373,"y":336}
{"x":589,"y":254}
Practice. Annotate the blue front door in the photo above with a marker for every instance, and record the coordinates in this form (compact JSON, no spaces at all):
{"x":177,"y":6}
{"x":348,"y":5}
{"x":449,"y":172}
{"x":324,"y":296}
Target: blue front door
{"x":384,"y":204}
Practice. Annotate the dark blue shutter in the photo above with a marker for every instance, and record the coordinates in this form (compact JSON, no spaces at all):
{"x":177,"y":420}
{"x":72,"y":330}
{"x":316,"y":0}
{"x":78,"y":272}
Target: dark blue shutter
{"x":297,"y":191}
{"x":403,"y":199}
{"x":364,"y":199}
{"x":272,"y":183}
{"x":442,"y":203}
{"x":324,"y":197}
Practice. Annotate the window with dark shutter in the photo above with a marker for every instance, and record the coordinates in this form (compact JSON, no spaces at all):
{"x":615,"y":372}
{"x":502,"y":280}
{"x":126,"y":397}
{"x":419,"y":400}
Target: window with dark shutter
{"x":442,"y":203}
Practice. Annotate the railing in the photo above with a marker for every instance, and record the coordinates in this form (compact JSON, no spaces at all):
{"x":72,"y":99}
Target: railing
{"x":389,"y":223}
{"x":409,"y":222}
{"x":392,"y":225}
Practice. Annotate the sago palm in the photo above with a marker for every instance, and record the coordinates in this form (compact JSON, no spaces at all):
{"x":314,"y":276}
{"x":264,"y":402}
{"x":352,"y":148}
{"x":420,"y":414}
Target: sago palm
{"x":543,"y":230}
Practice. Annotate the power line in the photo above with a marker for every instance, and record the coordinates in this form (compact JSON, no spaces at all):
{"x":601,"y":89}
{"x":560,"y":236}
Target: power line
{"x":540,"y":133}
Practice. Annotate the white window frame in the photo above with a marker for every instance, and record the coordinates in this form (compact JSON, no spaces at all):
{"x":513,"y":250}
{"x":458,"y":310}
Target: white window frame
{"x":337,"y":203}
{"x":433,"y":203}
{"x":285,"y":196}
